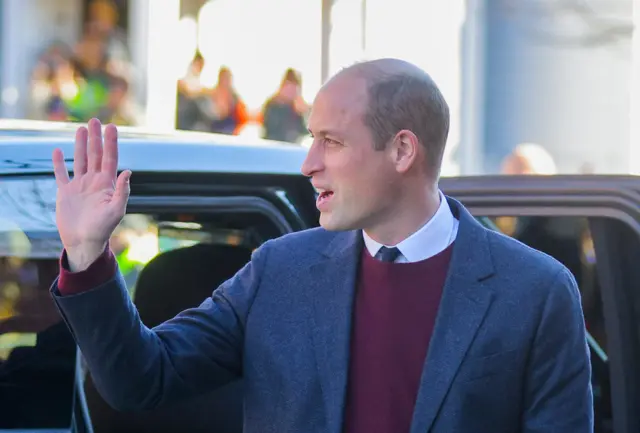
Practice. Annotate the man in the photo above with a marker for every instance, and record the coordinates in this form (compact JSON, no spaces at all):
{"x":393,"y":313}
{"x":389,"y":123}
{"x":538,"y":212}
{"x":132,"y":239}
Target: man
{"x":400,"y":314}
{"x":283,"y":115}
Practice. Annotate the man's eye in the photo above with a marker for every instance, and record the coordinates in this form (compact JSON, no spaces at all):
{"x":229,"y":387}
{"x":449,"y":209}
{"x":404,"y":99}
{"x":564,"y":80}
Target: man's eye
{"x":331,"y":142}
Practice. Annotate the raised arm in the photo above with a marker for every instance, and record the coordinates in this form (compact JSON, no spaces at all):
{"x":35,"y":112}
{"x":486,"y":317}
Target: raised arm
{"x":135,"y":367}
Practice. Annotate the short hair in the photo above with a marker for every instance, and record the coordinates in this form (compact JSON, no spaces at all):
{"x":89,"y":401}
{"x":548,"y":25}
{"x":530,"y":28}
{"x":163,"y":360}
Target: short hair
{"x":104,"y":9}
{"x":533,"y":158}
{"x":407,"y":98}
{"x":291,"y":76}
{"x":198,"y":57}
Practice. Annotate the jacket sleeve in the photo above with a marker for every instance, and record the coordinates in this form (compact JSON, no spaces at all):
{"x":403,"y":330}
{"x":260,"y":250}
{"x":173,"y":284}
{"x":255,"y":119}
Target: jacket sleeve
{"x":558,"y":393}
{"x":137,"y":368}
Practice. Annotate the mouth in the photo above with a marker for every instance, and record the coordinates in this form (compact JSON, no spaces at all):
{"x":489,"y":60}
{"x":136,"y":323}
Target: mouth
{"x":324,"y":197}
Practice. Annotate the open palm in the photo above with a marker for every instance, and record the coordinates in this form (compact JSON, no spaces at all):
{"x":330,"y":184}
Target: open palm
{"x":92,"y":204}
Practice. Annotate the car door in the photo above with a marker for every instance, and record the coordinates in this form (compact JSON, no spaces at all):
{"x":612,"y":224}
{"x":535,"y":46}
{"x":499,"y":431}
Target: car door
{"x":592,"y":225}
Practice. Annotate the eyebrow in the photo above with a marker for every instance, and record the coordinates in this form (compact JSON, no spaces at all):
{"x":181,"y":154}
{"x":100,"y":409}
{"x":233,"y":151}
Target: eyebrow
{"x":324,"y":132}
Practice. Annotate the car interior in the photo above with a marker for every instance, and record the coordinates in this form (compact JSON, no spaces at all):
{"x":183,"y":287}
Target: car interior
{"x":37,"y":352}
{"x":186,"y":257}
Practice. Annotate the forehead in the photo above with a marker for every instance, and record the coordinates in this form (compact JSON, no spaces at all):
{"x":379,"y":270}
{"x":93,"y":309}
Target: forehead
{"x":338,"y":105}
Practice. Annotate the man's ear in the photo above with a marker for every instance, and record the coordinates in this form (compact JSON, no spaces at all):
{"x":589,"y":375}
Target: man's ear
{"x":406,"y":150}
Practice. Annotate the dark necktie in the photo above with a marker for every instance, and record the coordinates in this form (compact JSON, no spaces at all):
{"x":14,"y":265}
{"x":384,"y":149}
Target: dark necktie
{"x":388,"y":254}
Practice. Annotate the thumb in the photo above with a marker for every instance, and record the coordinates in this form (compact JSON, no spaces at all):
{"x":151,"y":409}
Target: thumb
{"x":123,"y":188}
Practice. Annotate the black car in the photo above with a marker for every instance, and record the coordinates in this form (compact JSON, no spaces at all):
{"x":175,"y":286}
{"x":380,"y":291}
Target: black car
{"x":201,"y":203}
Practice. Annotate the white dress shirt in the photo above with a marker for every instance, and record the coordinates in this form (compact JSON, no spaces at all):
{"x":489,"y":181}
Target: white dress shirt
{"x":431,"y":239}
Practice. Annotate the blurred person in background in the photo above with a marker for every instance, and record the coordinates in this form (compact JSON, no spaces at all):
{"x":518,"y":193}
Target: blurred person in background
{"x":529,"y":158}
{"x":284,"y":114}
{"x":90,"y":80}
{"x":104,"y":16}
{"x":43,"y":76}
{"x":229,"y":110}
{"x":62,"y":89}
{"x":524,"y":159}
{"x":195,"y":108}
{"x":93,"y":78}
{"x":558,"y":236}
{"x":119,"y":108}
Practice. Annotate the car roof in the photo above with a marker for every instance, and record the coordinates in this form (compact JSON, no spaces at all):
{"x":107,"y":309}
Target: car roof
{"x":26,"y":147}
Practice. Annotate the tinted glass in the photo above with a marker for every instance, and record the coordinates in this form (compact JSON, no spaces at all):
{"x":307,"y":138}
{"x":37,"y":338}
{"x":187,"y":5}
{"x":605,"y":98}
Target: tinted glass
{"x":37,"y":353}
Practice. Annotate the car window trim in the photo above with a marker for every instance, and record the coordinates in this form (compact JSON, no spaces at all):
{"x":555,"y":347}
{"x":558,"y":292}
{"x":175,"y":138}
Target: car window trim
{"x":81,"y":416}
{"x":518,"y":210}
{"x":229,"y":204}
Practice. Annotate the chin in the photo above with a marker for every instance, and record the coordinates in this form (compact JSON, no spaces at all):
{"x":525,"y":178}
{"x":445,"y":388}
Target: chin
{"x":333,"y":223}
{"x":327,"y":224}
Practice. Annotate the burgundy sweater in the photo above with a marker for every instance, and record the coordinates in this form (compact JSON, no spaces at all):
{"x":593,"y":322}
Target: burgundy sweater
{"x":394,"y":315}
{"x":100,"y":271}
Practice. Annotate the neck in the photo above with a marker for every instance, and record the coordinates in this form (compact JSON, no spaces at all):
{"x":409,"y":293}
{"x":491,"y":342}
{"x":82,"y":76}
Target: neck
{"x":404,"y":219}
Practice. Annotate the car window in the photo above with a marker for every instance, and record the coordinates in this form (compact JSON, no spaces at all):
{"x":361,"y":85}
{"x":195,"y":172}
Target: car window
{"x":37,"y":351}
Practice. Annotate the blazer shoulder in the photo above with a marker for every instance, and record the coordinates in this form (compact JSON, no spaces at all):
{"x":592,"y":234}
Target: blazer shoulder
{"x":302,"y":244}
{"x":511,"y":256}
{"x":314,"y":235}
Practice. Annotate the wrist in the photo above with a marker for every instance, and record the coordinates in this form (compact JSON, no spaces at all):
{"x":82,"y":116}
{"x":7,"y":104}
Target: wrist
{"x":80,"y":257}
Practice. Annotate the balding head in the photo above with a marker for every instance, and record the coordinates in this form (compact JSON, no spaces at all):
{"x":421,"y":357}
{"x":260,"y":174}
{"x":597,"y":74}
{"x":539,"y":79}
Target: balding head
{"x":401,"y":96}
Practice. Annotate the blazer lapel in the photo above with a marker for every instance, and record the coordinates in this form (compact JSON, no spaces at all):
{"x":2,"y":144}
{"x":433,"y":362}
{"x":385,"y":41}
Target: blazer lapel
{"x":333,"y":281}
{"x":465,"y":301}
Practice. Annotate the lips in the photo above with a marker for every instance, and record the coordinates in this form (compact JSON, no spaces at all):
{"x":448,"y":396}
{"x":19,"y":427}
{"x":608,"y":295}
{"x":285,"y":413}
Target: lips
{"x":324,"y":198}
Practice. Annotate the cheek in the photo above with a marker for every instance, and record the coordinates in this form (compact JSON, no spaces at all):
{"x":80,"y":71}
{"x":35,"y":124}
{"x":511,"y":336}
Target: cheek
{"x":366,"y":182}
{"x":348,"y":171}
{"x":361,"y":175}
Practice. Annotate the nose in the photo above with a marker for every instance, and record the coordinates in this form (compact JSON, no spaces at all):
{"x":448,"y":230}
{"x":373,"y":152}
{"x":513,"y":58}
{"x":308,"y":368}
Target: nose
{"x":313,"y":163}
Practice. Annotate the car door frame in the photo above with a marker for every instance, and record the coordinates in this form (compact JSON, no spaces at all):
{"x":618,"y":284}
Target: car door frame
{"x":292,"y":195}
{"x":594,"y":197}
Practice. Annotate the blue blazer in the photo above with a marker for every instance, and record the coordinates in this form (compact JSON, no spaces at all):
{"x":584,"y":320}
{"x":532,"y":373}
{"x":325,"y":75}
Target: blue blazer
{"x":508,"y":353}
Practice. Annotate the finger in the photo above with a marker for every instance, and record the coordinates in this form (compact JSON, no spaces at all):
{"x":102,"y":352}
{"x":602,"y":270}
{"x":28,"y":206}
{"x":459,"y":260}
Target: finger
{"x":59,"y":168}
{"x":110,"y":151}
{"x":95,"y":146}
{"x":123,"y":189}
{"x":80,"y":152}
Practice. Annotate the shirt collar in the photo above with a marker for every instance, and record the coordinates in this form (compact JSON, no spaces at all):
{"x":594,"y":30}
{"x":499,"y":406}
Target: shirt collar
{"x":432,"y":238}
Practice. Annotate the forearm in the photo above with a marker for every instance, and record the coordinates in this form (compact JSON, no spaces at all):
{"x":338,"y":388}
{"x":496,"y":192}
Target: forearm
{"x":125,"y":358}
{"x":138,"y":368}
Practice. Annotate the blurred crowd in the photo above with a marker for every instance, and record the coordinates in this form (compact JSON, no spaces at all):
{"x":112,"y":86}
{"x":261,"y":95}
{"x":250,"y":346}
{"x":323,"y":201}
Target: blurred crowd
{"x":93,"y":79}
{"x":221,"y":109}
{"x":90,"y":79}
